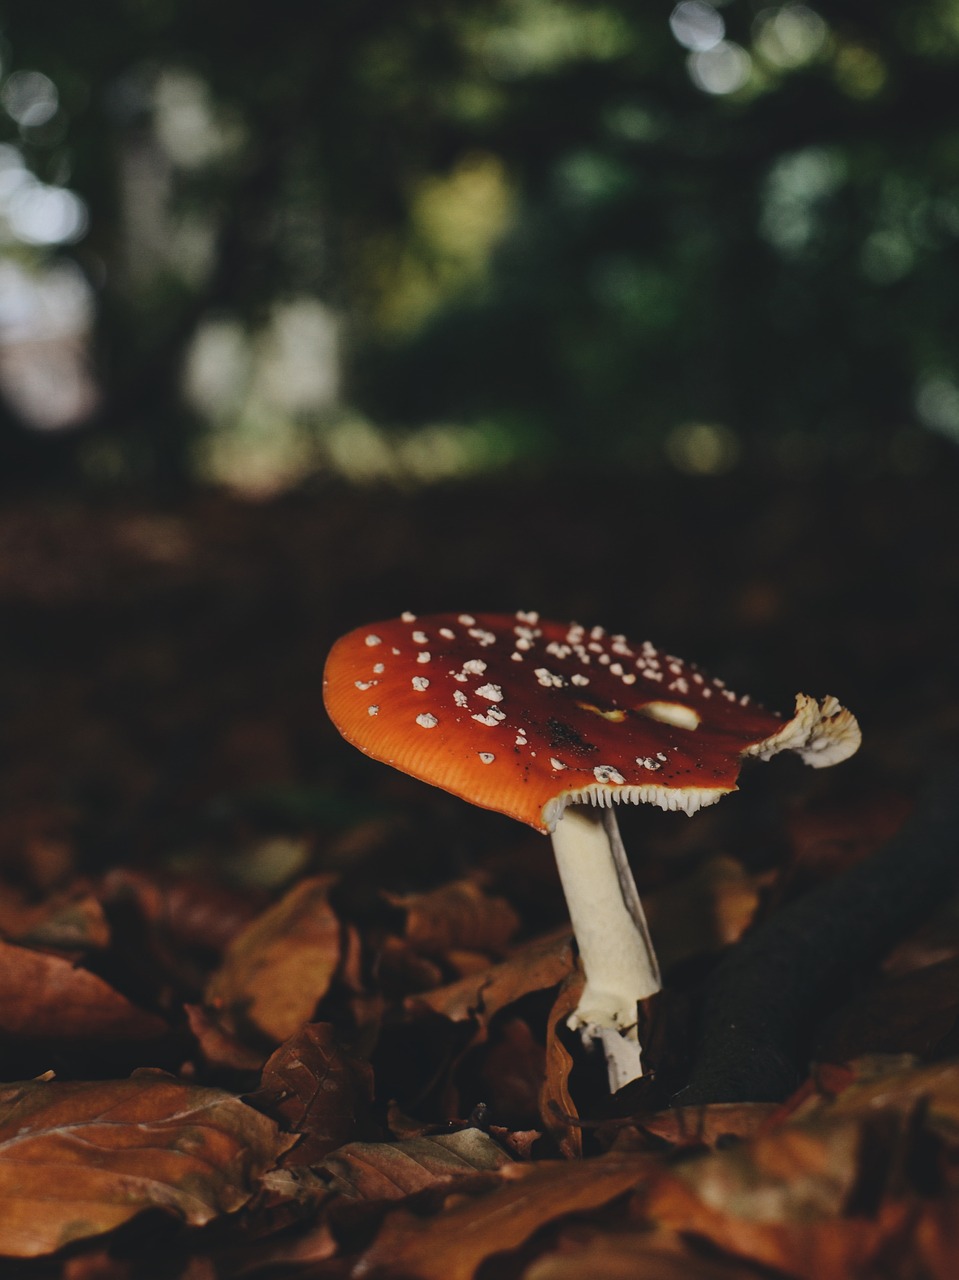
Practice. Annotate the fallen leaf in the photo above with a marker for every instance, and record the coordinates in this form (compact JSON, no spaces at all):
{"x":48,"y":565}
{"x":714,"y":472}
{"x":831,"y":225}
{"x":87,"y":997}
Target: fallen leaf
{"x":810,"y":1246}
{"x":935,"y":1087}
{"x":452,"y":1245}
{"x":71,"y":921}
{"x":704,"y":1126}
{"x":44,"y":996}
{"x":191,"y":911}
{"x":794,"y":1198}
{"x":317,"y":1089}
{"x":512,"y":1074}
{"x":79,"y":1159}
{"x":556,"y":1106}
{"x":218,"y":1045}
{"x":280,"y":966}
{"x":391,"y":1170}
{"x":632,"y":1255}
{"x":458,"y":915}
{"x":534,"y":966}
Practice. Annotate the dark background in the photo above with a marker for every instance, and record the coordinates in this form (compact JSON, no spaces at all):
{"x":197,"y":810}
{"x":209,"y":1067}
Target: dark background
{"x":527,"y":223}
{"x":642,"y":316}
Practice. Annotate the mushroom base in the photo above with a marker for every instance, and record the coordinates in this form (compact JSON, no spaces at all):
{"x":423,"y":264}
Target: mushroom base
{"x":614,"y":944}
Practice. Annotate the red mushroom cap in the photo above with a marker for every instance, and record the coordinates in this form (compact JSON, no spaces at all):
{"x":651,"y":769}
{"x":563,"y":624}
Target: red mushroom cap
{"x":527,"y":716}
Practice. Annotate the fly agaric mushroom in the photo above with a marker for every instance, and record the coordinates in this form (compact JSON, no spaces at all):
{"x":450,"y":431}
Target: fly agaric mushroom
{"x":555,"y":725}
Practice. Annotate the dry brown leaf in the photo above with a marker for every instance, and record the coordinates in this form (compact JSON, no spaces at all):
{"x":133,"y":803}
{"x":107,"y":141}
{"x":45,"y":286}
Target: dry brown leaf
{"x":631,"y":1255}
{"x":71,"y":921}
{"x":79,"y":1159}
{"x":790,"y":1198}
{"x":218,"y":1045}
{"x":697,"y":1126}
{"x":454,"y":1244}
{"x":44,"y":996}
{"x":457,"y":915}
{"x":189,"y":910}
{"x":391,"y":1170}
{"x":556,"y":1106}
{"x":317,"y":1089}
{"x":535,"y":966}
{"x":935,"y":1087}
{"x":280,"y":966}
{"x":811,"y":1247}
{"x":512,"y":1072}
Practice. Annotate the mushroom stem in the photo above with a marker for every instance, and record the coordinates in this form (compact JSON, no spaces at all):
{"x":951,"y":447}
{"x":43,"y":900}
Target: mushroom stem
{"x":610,"y":928}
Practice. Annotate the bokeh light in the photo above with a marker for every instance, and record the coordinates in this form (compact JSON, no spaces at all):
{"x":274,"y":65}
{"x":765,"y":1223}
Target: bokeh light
{"x":789,"y":36}
{"x":723,"y":68}
{"x":29,"y":98}
{"x":697,"y":26}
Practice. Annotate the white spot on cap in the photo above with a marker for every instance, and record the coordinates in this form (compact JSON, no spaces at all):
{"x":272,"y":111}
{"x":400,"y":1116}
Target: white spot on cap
{"x":395,"y":652}
{"x":547,"y":679}
{"x":378,"y":668}
{"x":372,"y":640}
{"x":427,"y":721}
{"x":531,"y":618}
{"x":492,"y":717}
{"x":524,"y":644}
{"x":474,"y":666}
{"x":459,"y":697}
{"x":420,"y":684}
{"x":647,"y":762}
{"x":467,"y":620}
{"x":422,"y":656}
{"x":606,"y":773}
{"x":461,"y":676}
{"x":517,"y":657}
{"x":492,"y":692}
{"x":365,"y":684}
{"x":616,"y":668}
{"x":407,"y":616}
{"x":373,"y":711}
{"x":557,"y":764}
{"x":420,"y":637}
{"x":579,"y":680}
{"x":629,"y":678}
{"x":485,"y":638}
{"x":596,"y":633}
{"x":447,"y":634}
{"x":487,"y":757}
{"x":521,"y":740}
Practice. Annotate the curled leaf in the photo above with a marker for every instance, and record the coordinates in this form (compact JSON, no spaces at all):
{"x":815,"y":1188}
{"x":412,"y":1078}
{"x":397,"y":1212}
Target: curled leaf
{"x":47,"y":997}
{"x":391,"y":1170}
{"x":317,"y":1089}
{"x":277,"y":969}
{"x":458,"y":915}
{"x":79,"y":1159}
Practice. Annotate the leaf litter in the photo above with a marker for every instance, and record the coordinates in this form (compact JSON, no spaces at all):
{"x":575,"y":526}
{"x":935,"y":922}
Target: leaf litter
{"x":278,"y":1035}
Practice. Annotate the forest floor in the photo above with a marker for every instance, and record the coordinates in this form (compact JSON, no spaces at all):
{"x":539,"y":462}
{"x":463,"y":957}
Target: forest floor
{"x":271,"y":1009}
